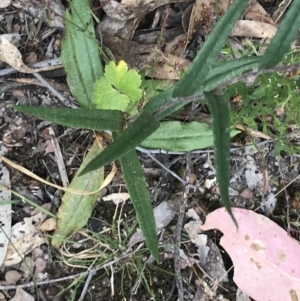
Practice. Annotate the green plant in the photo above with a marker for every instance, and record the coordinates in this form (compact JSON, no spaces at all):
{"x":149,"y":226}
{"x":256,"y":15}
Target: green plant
{"x":272,"y":102}
{"x":197,"y":84}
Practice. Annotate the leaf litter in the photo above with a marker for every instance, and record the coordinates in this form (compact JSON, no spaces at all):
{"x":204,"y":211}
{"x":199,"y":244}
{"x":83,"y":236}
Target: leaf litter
{"x":169,"y":67}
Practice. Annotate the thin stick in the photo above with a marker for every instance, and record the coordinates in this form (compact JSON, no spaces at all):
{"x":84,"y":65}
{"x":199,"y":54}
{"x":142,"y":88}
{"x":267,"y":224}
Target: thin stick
{"x":86,"y":285}
{"x":63,"y":99}
{"x":178,"y":230}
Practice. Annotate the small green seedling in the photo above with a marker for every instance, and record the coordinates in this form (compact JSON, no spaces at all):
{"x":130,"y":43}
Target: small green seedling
{"x":118,"y":89}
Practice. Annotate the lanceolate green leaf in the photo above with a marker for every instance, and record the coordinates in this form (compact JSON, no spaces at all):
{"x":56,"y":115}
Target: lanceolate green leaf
{"x":219,"y":110}
{"x":286,"y":34}
{"x":140,"y":198}
{"x":158,"y":101}
{"x":198,"y":71}
{"x":144,"y":126}
{"x":82,"y":118}
{"x":76,"y":209}
{"x":80,"y":53}
{"x":215,"y":77}
{"x":228,"y":70}
{"x":182,"y":137}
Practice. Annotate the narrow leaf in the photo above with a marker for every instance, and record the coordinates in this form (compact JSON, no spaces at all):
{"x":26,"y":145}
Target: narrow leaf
{"x":76,"y":209}
{"x":177,"y":136}
{"x":206,"y":57}
{"x":228,"y":70}
{"x":158,"y":101}
{"x":219,"y":110}
{"x":144,"y":126}
{"x":140,"y":198}
{"x":80,"y":53}
{"x":286,"y":34}
{"x":217,"y":76}
{"x":82,"y":118}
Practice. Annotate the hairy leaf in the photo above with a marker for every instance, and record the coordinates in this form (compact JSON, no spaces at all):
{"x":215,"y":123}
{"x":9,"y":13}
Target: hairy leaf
{"x":140,"y":198}
{"x":180,"y":137}
{"x":206,"y":57}
{"x":219,"y":110}
{"x":286,"y":34}
{"x":225,"y":71}
{"x":80,"y":53}
{"x":82,"y":118}
{"x":144,"y":126}
{"x":76,"y":209}
{"x":217,"y":76}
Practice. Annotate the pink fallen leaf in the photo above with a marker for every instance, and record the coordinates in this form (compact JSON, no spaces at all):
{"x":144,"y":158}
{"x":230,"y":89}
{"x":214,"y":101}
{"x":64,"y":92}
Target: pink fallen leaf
{"x":266,"y":259}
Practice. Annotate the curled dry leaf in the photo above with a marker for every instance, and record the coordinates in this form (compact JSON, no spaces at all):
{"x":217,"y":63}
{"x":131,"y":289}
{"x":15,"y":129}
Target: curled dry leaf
{"x":10,"y":54}
{"x":263,"y":254}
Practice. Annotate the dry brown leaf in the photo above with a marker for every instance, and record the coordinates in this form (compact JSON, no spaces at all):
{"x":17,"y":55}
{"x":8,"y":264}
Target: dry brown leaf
{"x":117,"y":198}
{"x":167,"y":66}
{"x":130,"y":9}
{"x":5,"y":3}
{"x":163,"y":214}
{"x":48,"y":225}
{"x":177,"y":46}
{"x":40,"y":11}
{"x":21,"y":295}
{"x":203,"y":17}
{"x":258,"y":13}
{"x":252,"y":132}
{"x":12,"y":276}
{"x":10,"y":55}
{"x":123,"y":18}
{"x":254,"y":29}
{"x":25,"y":237}
{"x":279,"y":12}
